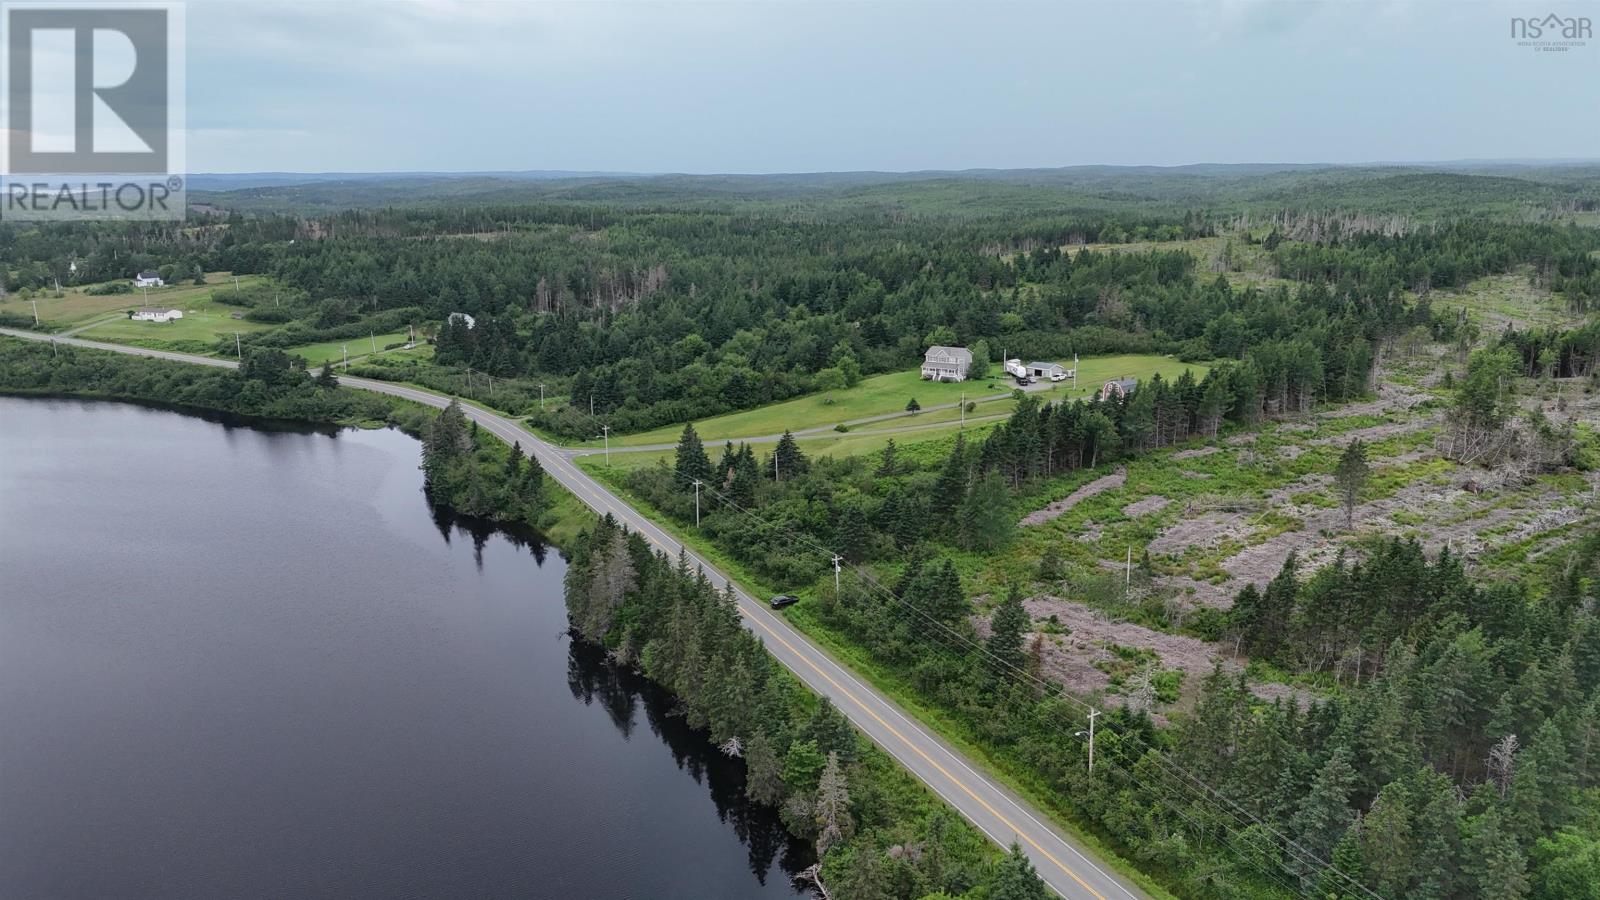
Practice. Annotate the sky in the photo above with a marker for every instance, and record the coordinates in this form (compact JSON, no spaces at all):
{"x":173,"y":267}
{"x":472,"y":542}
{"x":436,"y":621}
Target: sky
{"x":758,"y":86}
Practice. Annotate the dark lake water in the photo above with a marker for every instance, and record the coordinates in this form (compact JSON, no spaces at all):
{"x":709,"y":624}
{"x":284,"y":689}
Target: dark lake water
{"x":248,"y":663}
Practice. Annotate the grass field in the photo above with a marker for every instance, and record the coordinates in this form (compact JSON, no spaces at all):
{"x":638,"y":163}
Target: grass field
{"x":333,"y":351}
{"x":204,"y":320}
{"x":887,"y":395}
{"x":77,"y":307}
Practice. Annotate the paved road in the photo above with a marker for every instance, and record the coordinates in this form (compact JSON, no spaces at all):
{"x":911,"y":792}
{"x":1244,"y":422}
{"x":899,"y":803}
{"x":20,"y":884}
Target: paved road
{"x":994,"y":810}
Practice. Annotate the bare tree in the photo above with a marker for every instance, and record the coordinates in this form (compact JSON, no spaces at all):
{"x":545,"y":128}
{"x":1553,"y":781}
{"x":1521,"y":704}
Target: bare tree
{"x":1502,"y":763}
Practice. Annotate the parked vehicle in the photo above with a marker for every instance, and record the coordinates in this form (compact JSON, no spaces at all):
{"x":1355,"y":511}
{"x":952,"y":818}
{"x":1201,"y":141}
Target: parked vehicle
{"x":1024,"y":380}
{"x":782,"y":600}
{"x":1015,"y":368}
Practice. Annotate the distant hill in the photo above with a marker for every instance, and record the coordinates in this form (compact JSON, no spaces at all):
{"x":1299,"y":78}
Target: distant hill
{"x":1477,"y":187}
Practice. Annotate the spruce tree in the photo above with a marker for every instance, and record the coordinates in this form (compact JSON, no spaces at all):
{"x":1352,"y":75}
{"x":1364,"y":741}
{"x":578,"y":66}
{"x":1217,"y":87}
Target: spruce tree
{"x":1007,"y":626}
{"x":763,"y":781}
{"x":692,"y":462}
{"x":1351,"y":477}
{"x":1015,"y":878}
{"x":791,"y":462}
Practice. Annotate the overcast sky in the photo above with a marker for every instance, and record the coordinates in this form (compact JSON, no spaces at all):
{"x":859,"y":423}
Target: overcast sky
{"x":760,"y":86}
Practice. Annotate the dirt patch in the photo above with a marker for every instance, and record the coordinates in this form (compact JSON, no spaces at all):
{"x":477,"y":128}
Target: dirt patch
{"x":1098,"y":486}
{"x":1239,"y":440}
{"x":1071,"y":658}
{"x":1189,"y":473}
{"x":1151,"y":504}
{"x":1197,"y":452}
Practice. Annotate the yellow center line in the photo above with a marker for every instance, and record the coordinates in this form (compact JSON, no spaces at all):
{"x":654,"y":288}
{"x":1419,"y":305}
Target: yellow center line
{"x":930,"y":760}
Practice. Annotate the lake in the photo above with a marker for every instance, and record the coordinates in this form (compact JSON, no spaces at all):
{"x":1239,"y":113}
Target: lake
{"x":242,"y":661}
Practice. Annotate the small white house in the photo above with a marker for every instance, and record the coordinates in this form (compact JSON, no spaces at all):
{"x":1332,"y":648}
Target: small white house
{"x":155,"y":314}
{"x":463,"y":319}
{"x":148,"y":280}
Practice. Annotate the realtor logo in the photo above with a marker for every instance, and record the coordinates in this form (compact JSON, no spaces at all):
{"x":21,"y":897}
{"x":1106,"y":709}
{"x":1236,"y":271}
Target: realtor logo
{"x":93,"y":91}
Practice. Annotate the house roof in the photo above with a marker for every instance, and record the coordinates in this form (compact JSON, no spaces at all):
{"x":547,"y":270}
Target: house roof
{"x":156,"y":309}
{"x":1045,"y":365}
{"x":958,"y":352}
{"x":149,"y":274}
{"x":1125,"y":383}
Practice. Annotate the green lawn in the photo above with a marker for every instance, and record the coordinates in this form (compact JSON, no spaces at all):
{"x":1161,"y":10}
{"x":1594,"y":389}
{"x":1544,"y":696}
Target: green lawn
{"x":333,"y":351}
{"x":887,"y":394}
{"x":77,"y":307}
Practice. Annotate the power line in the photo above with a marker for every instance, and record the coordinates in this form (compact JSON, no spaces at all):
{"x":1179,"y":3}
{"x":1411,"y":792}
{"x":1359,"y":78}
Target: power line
{"x":1188,"y":780}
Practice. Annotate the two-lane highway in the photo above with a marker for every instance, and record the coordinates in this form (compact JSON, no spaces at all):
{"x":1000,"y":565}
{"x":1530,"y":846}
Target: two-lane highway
{"x":1063,"y":865}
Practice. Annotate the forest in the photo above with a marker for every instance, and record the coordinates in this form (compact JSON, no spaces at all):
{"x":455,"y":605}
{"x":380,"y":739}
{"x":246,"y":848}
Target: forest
{"x":1431,"y":729}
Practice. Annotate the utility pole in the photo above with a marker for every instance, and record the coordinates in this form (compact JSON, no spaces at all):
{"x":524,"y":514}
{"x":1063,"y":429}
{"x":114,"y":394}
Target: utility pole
{"x":591,"y":406}
{"x":963,"y":409}
{"x":35,"y":310}
{"x":836,"y":560}
{"x":607,"y":431}
{"x":541,"y":395}
{"x":697,"y":484}
{"x":1127,"y":571}
{"x":346,"y":357}
{"x":374,"y":336}
{"x":238,"y":346}
{"x":775,"y":477}
{"x":1092,"y":713}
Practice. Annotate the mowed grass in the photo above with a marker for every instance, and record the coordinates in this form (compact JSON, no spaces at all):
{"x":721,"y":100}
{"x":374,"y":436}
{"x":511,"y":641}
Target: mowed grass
{"x":204,"y":323}
{"x":878,"y":395}
{"x":333,"y":351}
{"x":77,"y":307}
{"x":888,"y":394}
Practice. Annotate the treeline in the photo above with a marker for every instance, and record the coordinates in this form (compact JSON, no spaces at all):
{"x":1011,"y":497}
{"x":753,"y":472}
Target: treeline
{"x":268,"y":384}
{"x":878,"y":834}
{"x":483,"y":479}
{"x":666,"y":315}
{"x":874,"y":509}
{"x":479,"y":478}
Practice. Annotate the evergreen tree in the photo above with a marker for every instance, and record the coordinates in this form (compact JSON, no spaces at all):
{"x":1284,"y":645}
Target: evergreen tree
{"x":852,"y":533}
{"x":791,"y":462}
{"x":1015,"y":879}
{"x":830,"y":731}
{"x":1007,"y":627}
{"x":1351,"y":476}
{"x":888,"y":461}
{"x":691,"y":462}
{"x":1325,"y":812}
{"x":986,"y":519}
{"x":951,"y":489}
{"x":763,"y":780}
{"x":1492,"y":863}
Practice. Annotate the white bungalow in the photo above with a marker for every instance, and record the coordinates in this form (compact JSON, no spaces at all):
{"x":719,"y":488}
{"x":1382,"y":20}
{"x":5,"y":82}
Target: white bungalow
{"x":155,"y":314}
{"x":148,"y":280}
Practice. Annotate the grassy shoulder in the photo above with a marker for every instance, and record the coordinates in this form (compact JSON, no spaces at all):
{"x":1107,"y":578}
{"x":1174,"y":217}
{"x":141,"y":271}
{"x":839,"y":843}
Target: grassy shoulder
{"x":1000,"y":766}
